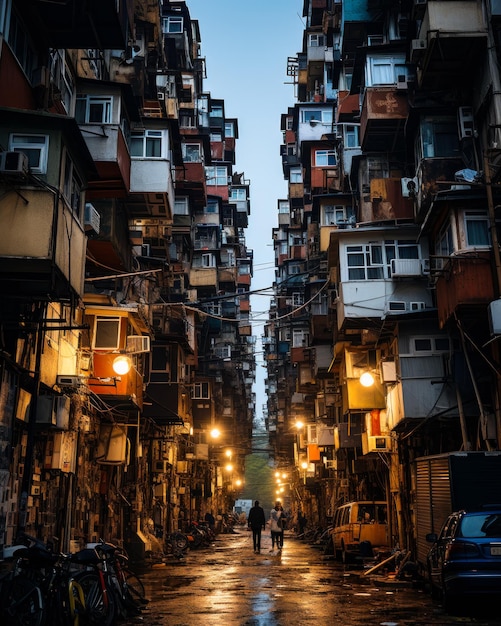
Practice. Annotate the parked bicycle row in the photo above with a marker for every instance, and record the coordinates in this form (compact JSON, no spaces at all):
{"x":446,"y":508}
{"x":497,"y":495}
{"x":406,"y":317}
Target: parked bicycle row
{"x":93,"y":586}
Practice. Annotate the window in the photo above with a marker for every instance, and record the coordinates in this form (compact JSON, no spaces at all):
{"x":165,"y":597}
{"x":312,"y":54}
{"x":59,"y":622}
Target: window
{"x":35,"y":147}
{"x":146,"y":144}
{"x":283,"y":207}
{"x":351,"y":139}
{"x":238,"y":194}
{"x":444,"y":244}
{"x":22,"y":46}
{"x":315,"y":40}
{"x":438,"y":138}
{"x":216,"y":111}
{"x":477,"y":228}
{"x":107,"y":333}
{"x":173,"y":25}
{"x":61,"y":76}
{"x":212,"y":206}
{"x":186,"y":120}
{"x":201,"y":391}
{"x":72,"y":187}
{"x":316,"y":115}
{"x":325,"y":158}
{"x":192,"y":153}
{"x":94,"y":109}
{"x":429,"y":345}
{"x":181,"y":206}
{"x":295,"y":175}
{"x":216,"y":175}
{"x":297,"y":298}
{"x":229,"y":129}
{"x":300,"y":338}
{"x":384,"y":69}
{"x":333,"y":215}
{"x":365,"y":262}
{"x":216,"y":137}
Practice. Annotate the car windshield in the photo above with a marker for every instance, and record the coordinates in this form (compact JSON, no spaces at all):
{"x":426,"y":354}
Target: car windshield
{"x":482,"y":525}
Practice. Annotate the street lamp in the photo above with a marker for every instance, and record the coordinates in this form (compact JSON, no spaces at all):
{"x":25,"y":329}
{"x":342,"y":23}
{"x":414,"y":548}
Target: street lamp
{"x":121,"y":365}
{"x":367,"y":379}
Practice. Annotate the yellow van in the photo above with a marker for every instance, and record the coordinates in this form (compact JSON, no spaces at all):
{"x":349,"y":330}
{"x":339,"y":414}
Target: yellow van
{"x":358,"y":528}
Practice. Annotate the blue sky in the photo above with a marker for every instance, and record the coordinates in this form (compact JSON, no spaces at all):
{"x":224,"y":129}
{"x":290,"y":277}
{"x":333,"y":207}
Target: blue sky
{"x":246,"y":45}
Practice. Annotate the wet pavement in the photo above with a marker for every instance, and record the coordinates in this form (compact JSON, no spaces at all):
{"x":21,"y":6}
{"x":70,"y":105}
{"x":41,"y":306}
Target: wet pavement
{"x":227,"y":583}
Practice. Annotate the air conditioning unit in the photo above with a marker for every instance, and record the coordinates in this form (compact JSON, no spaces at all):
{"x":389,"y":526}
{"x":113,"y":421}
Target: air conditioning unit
{"x":160,"y":467}
{"x":92,"y":219}
{"x":395,"y":306}
{"x":69,"y":380}
{"x":406,"y":267}
{"x":418,"y":46}
{"x":388,"y":371}
{"x":409,"y":187}
{"x":377,"y":443}
{"x":402,"y":81}
{"x":14,"y":163}
{"x":138,"y":343}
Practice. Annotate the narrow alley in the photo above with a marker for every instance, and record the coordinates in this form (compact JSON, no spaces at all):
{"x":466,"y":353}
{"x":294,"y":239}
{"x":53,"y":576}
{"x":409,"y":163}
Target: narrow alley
{"x":228,"y":584}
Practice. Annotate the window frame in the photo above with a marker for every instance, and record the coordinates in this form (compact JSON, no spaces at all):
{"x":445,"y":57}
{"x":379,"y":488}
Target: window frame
{"x":215,"y":173}
{"x":325,"y":158}
{"x":147,"y":138}
{"x":170,"y":21}
{"x":29,"y":148}
{"x":90,"y":100}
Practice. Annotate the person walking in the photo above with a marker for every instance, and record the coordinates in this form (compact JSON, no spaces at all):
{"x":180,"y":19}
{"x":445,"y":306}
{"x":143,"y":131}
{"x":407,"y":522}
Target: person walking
{"x":256,"y":521}
{"x":276,"y":526}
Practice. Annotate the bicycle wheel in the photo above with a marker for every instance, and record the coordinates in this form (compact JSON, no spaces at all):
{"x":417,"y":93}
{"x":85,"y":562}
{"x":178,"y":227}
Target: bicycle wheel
{"x":22,"y":603}
{"x":178,"y":540}
{"x":135,"y":588}
{"x":99,"y":601}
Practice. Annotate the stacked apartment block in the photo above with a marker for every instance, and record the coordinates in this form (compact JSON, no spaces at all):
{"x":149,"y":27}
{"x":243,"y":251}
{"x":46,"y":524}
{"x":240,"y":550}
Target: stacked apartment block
{"x":383,"y":337}
{"x":124,"y":276}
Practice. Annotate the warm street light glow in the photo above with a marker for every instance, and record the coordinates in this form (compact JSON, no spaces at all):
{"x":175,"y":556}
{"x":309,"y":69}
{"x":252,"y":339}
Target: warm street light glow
{"x":367,"y":379}
{"x":304,"y":465}
{"x":238,"y":482}
{"x":299,"y":424}
{"x":229,"y":453}
{"x":215,"y":433}
{"x":229,"y":467}
{"x":121,"y":365}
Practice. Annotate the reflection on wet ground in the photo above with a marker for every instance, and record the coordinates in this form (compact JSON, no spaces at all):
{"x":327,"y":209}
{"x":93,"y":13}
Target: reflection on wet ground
{"x":228,"y":584}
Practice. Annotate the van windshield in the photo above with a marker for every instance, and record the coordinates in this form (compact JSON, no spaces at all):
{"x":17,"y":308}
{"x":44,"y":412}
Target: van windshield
{"x":372,"y":514}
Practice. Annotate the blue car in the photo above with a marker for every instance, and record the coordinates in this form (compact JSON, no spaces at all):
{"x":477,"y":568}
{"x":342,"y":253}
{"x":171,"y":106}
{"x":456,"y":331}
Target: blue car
{"x":465,"y":558}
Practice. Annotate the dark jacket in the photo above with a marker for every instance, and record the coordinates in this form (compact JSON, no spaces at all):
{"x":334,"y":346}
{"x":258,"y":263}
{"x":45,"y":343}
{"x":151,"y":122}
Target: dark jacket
{"x":256,"y":517}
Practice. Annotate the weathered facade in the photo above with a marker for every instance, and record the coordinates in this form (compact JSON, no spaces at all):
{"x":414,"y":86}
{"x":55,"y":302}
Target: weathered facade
{"x":387,"y":251}
{"x":123,"y":246}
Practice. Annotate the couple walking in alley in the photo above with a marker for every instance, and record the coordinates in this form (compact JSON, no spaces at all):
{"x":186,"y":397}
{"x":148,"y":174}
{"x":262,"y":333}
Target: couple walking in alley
{"x":257,"y":523}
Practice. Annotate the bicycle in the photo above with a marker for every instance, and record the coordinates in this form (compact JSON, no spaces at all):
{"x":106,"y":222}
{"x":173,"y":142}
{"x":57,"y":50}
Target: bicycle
{"x":123,"y":585}
{"x":41,"y":588}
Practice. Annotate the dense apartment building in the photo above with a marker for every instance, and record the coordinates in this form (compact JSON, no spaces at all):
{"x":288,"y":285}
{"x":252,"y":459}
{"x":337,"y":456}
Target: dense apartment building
{"x":124,"y":276}
{"x":387,"y":254}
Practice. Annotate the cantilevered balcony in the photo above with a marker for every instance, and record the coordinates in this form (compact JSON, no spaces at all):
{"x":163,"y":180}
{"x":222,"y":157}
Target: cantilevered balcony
{"x":451,"y":42}
{"x":383,"y":117}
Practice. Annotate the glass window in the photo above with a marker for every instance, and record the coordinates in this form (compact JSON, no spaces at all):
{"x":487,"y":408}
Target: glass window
{"x":316,"y":40}
{"x":316,"y":115}
{"x":146,"y":144}
{"x":94,"y":109}
{"x":212,"y":206}
{"x":72,"y":187}
{"x":351,"y":139}
{"x":173,"y":25}
{"x":107,"y":333}
{"x":365,"y":262}
{"x":238,"y":194}
{"x":35,"y":147}
{"x":439,"y":137}
{"x":477,"y":228}
{"x":216,"y":175}
{"x":325,"y":158}
{"x":201,"y":391}
{"x":192,"y":153}
{"x":229,"y":129}
{"x":181,"y":206}
{"x":444,"y":245}
{"x":295,"y":175}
